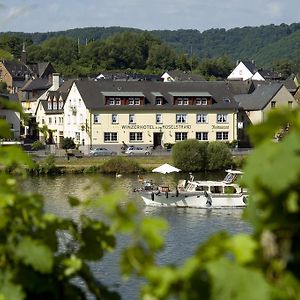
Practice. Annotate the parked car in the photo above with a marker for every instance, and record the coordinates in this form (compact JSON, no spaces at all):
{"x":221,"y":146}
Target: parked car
{"x":102,"y":152}
{"x":134,"y":150}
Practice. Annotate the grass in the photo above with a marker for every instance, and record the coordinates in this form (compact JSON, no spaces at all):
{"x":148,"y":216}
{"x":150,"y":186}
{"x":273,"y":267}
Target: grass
{"x":77,"y":164}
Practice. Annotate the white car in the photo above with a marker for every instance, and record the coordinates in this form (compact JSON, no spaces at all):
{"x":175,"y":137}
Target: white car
{"x":134,"y":150}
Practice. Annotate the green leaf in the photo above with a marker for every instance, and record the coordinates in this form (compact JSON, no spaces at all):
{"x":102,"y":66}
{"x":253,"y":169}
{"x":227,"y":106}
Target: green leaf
{"x":292,"y":202}
{"x":243,"y":247}
{"x":35,"y":254}
{"x":231,"y":281}
{"x":265,"y":169}
{"x":72,"y":264}
{"x":151,"y":230}
{"x":8,"y":289}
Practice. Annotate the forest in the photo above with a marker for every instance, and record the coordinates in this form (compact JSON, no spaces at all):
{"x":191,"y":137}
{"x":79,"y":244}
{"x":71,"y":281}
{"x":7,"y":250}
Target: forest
{"x":212,"y":53}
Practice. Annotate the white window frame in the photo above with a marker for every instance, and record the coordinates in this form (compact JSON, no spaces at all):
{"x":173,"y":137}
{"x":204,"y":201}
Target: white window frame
{"x":201,"y":118}
{"x":137,"y":101}
{"x":135,"y":136}
{"x":158,"y":118}
{"x":185,"y":101}
{"x":114,"y":119}
{"x":222,"y":136}
{"x":181,"y":136}
{"x":49,"y":105}
{"x":201,"y":136}
{"x":96,"y":119}
{"x":181,"y":118}
{"x":131,"y":101}
{"x":222,"y":118}
{"x":158,"y":101}
{"x":110,"y":137}
{"x":131,"y":118}
{"x":60,"y":104}
{"x":179,"y":101}
{"x":111,"y":101}
{"x":118,"y":101}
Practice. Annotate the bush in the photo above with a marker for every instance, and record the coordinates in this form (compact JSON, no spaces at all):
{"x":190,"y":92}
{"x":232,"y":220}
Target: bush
{"x":190,"y":155}
{"x":37,"y":145}
{"x":218,"y":156}
{"x":121,"y":165}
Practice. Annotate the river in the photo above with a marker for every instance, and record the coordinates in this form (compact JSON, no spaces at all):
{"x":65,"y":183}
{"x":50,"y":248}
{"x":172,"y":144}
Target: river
{"x":187,"y":226}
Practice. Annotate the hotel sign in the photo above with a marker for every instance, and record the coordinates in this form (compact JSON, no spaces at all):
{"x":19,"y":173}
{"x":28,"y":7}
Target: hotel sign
{"x":220,"y":126}
{"x":156,"y":127}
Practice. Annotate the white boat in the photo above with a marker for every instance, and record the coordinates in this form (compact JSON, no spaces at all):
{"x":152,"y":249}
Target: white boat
{"x":198,"y":194}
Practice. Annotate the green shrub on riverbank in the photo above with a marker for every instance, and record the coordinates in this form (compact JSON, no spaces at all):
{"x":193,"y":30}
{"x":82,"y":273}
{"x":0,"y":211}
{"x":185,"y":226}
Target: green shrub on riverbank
{"x":121,"y":165}
{"x":193,"y":156}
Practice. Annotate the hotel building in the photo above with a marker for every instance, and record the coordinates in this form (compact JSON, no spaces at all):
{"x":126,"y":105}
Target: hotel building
{"x":146,"y":113}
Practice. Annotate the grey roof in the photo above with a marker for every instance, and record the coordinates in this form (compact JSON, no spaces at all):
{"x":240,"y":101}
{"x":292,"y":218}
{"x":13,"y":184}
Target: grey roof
{"x":250,"y":65}
{"x":261,"y":96}
{"x":190,"y":94}
{"x":185,"y":76}
{"x":92,"y":93}
{"x":37,"y":84}
{"x":44,"y":104}
{"x":16,"y":69}
{"x":124,"y":94}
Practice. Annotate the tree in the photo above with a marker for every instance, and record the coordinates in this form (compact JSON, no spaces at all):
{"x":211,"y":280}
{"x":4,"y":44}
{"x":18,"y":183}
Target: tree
{"x":67,"y":143}
{"x":190,"y":155}
{"x":218,"y":156}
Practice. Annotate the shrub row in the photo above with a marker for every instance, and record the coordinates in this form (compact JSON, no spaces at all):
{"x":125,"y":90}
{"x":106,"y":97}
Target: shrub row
{"x":193,"y":156}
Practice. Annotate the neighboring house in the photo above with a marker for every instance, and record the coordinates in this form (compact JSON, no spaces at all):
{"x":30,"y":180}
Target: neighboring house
{"x":16,"y":73}
{"x":50,"y":112}
{"x":255,"y":106}
{"x":12,"y":117}
{"x":170,"y":76}
{"x":246,"y":70}
{"x":151,"y":114}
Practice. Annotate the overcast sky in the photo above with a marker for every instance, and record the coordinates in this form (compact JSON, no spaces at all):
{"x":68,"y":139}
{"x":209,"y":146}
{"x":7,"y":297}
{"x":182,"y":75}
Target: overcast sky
{"x":55,"y":15}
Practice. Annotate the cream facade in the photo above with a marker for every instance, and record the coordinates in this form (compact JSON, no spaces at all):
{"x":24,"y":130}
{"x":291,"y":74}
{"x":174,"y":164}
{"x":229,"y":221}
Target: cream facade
{"x":123,"y":117}
{"x":159,"y":127}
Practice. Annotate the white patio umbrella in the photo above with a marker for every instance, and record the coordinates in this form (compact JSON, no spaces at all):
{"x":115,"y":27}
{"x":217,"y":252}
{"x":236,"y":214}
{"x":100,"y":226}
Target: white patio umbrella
{"x":165,"y":168}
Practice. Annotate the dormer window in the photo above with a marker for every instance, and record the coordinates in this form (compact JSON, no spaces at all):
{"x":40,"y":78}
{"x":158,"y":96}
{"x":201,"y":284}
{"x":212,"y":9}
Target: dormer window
{"x":60,"y":104}
{"x":158,"y":101}
{"x":227,"y":100}
{"x":185,"y":101}
{"x":201,"y":101}
{"x":131,"y":101}
{"x":55,"y":105}
{"x":118,"y":101}
{"x":137,"y":101}
{"x":49,"y":105}
{"x":111,"y":101}
{"x":179,"y":101}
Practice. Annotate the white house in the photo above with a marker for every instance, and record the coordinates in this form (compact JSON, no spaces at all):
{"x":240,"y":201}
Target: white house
{"x":243,"y":71}
{"x":76,"y":124}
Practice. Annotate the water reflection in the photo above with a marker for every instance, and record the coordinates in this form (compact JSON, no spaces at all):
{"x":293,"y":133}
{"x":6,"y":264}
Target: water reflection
{"x":187,"y":226}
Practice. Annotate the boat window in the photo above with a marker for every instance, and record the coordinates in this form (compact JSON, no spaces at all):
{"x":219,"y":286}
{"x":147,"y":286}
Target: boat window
{"x":229,"y":178}
{"x":216,"y":189}
{"x":230,"y":190}
{"x":201,"y":188}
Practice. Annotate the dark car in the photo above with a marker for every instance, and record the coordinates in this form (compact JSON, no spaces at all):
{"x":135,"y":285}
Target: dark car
{"x":102,"y":152}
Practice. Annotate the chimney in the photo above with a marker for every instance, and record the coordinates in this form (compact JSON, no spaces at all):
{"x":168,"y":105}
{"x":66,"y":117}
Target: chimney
{"x":55,"y":82}
{"x":24,"y":55}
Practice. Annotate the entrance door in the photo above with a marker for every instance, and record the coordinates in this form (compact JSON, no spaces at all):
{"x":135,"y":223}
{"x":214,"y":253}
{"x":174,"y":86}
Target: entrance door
{"x":157,"y":137}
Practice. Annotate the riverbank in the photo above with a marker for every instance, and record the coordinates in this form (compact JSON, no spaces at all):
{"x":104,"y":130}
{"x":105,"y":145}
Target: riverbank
{"x":91,"y":164}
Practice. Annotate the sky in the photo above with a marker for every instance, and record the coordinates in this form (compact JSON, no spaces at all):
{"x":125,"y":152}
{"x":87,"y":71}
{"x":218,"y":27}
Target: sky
{"x":56,"y":15}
